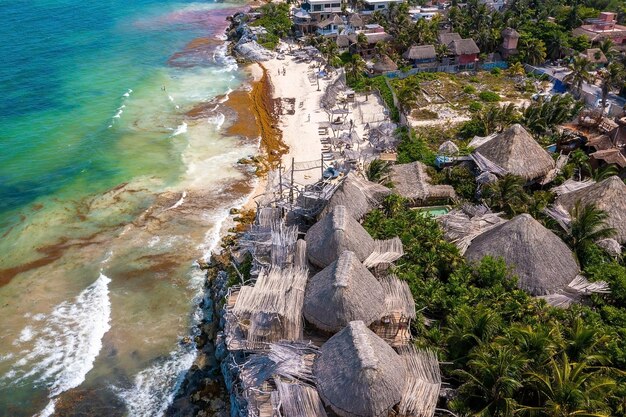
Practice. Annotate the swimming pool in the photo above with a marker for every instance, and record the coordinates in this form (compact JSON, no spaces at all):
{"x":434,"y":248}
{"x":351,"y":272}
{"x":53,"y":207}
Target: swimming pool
{"x":435,"y":211}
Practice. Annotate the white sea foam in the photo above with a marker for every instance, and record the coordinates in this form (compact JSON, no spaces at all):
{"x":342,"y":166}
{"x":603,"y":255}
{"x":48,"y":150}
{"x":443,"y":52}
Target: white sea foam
{"x":180,"y":129}
{"x":154,"y":388}
{"x":128,"y":93}
{"x":218,"y":120}
{"x":48,"y":410}
{"x":66,"y":342}
{"x":180,"y":201}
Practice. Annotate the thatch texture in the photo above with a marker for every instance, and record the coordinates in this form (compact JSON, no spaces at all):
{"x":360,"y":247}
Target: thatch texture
{"x":463,"y":47}
{"x":448,"y":148}
{"x":384,"y":64}
{"x":335,"y":233}
{"x":358,"y":195}
{"x":355,"y":20}
{"x":447,"y":37}
{"x":395,"y":326}
{"x":271,"y":310}
{"x":608,"y":195}
{"x":421,"y":52}
{"x":613,"y":156}
{"x":358,"y":374}
{"x":385,"y":252}
{"x":572,"y":185}
{"x":299,"y":400}
{"x":518,"y":153}
{"x":462,"y":225}
{"x":288,"y":360}
{"x":342,"y":292}
{"x":542,"y":262}
{"x":423,"y":384}
{"x":412,"y":181}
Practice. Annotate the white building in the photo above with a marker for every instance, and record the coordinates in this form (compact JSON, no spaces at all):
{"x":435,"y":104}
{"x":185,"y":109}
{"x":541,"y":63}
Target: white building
{"x":322,"y":9}
{"x":370,"y":6}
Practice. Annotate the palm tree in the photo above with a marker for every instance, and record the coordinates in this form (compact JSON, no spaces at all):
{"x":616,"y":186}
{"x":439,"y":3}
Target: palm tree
{"x":491,"y":379}
{"x":602,"y":173}
{"x":587,"y":226}
{"x":356,"y":67}
{"x":361,"y":42}
{"x":516,"y":70}
{"x":606,"y":46}
{"x":469,"y":328}
{"x":533,"y":51}
{"x":580,"y":160}
{"x":579,"y":74}
{"x":507,"y":194}
{"x":570,"y":389}
{"x":378,"y":171}
{"x":611,"y":77}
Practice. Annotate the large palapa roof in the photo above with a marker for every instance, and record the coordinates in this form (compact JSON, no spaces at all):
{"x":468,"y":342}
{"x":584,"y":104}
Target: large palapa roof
{"x":518,"y":153}
{"x":358,"y":195}
{"x":413,"y":182}
{"x":358,"y":374}
{"x":335,"y":233}
{"x":542,"y":262}
{"x":608,"y":195}
{"x":342,"y":292}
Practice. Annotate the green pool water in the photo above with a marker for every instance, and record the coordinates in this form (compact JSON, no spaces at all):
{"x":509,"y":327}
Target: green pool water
{"x":435,"y":211}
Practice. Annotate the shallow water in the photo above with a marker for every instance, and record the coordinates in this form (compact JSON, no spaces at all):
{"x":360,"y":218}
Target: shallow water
{"x":109,"y":191}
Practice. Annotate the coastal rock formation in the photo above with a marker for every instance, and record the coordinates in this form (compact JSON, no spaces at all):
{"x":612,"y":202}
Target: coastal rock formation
{"x":252,"y":51}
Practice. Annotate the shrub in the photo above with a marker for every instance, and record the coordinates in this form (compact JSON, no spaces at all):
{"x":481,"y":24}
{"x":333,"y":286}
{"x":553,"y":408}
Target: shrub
{"x":496,"y":71}
{"x":413,"y":148}
{"x":489,"y":96}
{"x":469,"y":89}
{"x":475,"y":106}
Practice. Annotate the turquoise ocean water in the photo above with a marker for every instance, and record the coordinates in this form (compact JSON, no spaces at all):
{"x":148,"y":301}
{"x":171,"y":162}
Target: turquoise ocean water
{"x":114,"y":178}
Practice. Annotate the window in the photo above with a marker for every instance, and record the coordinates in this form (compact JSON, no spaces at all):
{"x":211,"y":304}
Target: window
{"x":380,"y":6}
{"x":336,"y":4}
{"x":317,"y":7}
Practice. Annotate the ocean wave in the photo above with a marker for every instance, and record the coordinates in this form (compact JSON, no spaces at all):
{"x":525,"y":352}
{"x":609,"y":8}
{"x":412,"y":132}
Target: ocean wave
{"x":224,"y":59}
{"x":154,"y":388}
{"x":66,"y":342}
{"x":182,"y":128}
{"x":218,"y":120}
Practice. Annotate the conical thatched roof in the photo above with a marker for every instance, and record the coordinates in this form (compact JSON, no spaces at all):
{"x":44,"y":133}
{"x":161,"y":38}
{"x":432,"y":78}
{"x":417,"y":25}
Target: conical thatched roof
{"x":358,"y":374}
{"x":413,"y":182}
{"x":358,"y":195}
{"x":342,"y":292}
{"x":542,"y":262}
{"x":355,"y":20}
{"x":518,"y":153}
{"x":335,"y":233}
{"x":384,"y":64}
{"x":608,"y":195}
{"x":448,"y":148}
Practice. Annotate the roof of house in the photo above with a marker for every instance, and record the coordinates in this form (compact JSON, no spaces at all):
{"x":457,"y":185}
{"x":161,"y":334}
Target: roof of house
{"x":413,"y":182}
{"x":447,"y":37}
{"x":463,"y":47}
{"x":542,"y":262}
{"x":600,"y":142}
{"x":342,"y":292}
{"x":358,"y":195}
{"x":355,"y":20}
{"x":510,"y":32}
{"x":421,"y":52}
{"x":610,"y":156}
{"x":595,"y":55}
{"x":335,"y":20}
{"x":608,"y":195}
{"x":358,"y":374}
{"x":384,"y":64}
{"x":594,"y":35}
{"x":335,"y":233}
{"x":515,"y":151}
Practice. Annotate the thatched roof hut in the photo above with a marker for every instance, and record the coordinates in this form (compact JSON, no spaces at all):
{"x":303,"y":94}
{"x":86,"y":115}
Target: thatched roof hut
{"x":517,"y":153}
{"x":269,"y":311}
{"x":542,"y":262}
{"x":355,"y":20}
{"x":335,"y":233}
{"x":358,"y":374}
{"x":413,"y":182}
{"x":594,"y":55}
{"x":342,"y":292}
{"x":460,"y":47}
{"x":420,"y":53}
{"x":384,"y":64}
{"x":338,"y":232}
{"x":608,"y":195}
{"x":448,"y":148}
{"x":358,"y":195}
